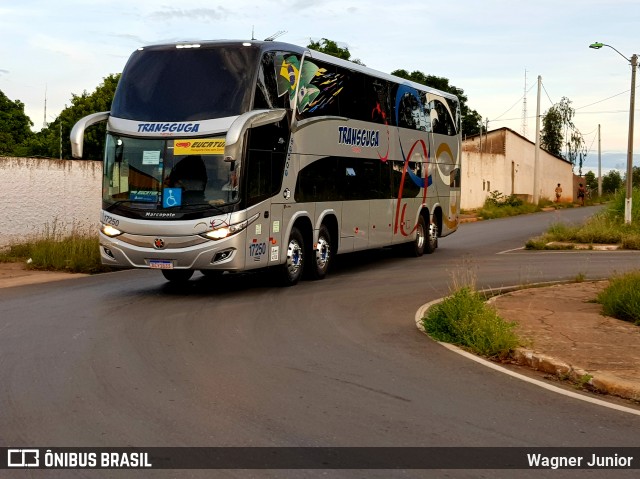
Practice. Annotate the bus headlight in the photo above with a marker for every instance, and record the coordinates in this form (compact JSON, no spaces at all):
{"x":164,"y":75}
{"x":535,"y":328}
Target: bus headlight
{"x":110,"y":231}
{"x":229,"y":230}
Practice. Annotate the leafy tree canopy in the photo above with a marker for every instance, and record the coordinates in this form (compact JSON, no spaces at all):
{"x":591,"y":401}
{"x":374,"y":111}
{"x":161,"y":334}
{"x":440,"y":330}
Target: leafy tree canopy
{"x":331,"y":48}
{"x":48,"y":141}
{"x":558,"y":133}
{"x":15,"y":125}
{"x":591,"y":180}
{"x":471,"y":119}
{"x":635,"y":177}
{"x":611,"y":182}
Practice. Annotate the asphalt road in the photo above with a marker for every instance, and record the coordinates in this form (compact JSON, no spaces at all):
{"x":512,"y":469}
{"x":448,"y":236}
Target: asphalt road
{"x":126,"y":359}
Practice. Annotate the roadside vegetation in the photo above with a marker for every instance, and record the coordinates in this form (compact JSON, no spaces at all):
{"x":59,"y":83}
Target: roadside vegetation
{"x":466,"y":320}
{"x":621,"y":299}
{"x":606,"y":227}
{"x":499,"y":205}
{"x":76,"y":253}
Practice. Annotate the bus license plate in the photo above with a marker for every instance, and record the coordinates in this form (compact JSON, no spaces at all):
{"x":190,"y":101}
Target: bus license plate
{"x":160,"y":264}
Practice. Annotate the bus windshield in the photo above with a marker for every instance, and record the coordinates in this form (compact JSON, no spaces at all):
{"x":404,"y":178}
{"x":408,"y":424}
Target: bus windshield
{"x":155,"y":174}
{"x":180,"y":84}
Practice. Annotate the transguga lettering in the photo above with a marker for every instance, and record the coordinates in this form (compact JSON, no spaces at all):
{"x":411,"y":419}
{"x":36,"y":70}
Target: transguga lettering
{"x":358,"y":137}
{"x":168,"y":127}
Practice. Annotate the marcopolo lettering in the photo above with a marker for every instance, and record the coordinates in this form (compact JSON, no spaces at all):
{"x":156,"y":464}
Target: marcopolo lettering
{"x":168,"y":127}
{"x":358,"y":137}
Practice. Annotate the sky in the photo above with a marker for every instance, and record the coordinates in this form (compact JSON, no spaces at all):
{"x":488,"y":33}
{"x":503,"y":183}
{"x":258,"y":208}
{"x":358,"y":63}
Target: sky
{"x":494,"y":50}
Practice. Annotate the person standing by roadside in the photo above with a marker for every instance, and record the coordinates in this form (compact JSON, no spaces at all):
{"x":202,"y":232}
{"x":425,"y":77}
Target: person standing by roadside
{"x":558,"y":193}
{"x":581,"y":193}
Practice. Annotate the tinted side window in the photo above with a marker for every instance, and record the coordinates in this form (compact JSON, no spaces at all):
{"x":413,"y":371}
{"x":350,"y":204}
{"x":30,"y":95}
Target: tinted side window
{"x":441,"y":120}
{"x":265,"y":162}
{"x":409,"y":188}
{"x":337,"y":179}
{"x":267,"y":95}
{"x":321,"y":89}
{"x":364,"y":179}
{"x":377,"y":99}
{"x":319,"y":181}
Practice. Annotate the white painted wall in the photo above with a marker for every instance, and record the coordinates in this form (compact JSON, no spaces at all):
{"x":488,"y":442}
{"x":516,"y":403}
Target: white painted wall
{"x":36,"y":194}
{"x":504,"y":151}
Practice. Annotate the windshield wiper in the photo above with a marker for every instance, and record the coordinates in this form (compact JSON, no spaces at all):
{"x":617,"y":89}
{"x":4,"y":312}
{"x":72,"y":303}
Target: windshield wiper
{"x":120,"y":202}
{"x":196,"y":206}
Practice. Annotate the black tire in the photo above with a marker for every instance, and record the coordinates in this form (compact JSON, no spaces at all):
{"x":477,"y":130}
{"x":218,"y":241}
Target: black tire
{"x":291,"y":270}
{"x":177,"y":275}
{"x":417,"y":246}
{"x":320,"y":259}
{"x":432,"y":239}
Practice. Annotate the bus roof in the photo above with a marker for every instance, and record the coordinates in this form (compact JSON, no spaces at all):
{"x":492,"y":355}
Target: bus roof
{"x":264,"y":46}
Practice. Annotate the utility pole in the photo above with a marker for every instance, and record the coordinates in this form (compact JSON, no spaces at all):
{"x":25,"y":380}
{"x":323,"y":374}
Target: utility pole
{"x":627,"y":204}
{"x":536,"y":163}
{"x":524,"y":107}
{"x":599,"y":165}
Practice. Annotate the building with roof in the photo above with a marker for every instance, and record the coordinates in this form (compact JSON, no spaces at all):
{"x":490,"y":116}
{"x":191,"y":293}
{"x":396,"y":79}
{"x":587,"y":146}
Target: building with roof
{"x":503,"y":160}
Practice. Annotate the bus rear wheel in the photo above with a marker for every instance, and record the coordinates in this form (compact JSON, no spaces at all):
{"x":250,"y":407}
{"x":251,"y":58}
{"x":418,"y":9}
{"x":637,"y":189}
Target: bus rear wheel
{"x":322,"y":255}
{"x":417,"y":247}
{"x":177,"y":275}
{"x":432,"y":239}
{"x":291,"y":270}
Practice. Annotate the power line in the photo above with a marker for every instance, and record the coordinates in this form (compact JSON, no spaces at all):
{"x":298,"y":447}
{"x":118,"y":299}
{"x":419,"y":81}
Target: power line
{"x":518,"y":101}
{"x":545,"y":90}
{"x":600,"y":101}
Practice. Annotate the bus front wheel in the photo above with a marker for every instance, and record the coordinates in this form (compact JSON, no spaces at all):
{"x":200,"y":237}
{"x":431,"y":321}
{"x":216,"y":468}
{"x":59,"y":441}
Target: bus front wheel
{"x":177,"y":275}
{"x":291,"y":270}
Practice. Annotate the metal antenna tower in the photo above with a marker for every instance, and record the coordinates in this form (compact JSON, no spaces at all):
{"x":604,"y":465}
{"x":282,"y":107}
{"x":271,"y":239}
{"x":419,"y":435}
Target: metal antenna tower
{"x":44,"y":123}
{"x":524,"y":107}
{"x":275,"y":35}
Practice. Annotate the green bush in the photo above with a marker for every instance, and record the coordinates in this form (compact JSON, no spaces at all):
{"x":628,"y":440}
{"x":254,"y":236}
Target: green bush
{"x":621,"y":299}
{"x":466,"y":320}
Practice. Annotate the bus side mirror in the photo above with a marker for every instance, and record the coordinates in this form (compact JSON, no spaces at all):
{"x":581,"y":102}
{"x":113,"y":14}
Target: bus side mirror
{"x":77,"y":132}
{"x":235,"y":136}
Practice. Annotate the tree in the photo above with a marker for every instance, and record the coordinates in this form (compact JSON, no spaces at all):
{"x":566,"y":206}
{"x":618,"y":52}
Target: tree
{"x":331,"y":48}
{"x":557,"y":125}
{"x":611,"y":182}
{"x":471,"y":119}
{"x":15,"y":125}
{"x":591,"y":180}
{"x":48,"y":141}
{"x":635,"y":177}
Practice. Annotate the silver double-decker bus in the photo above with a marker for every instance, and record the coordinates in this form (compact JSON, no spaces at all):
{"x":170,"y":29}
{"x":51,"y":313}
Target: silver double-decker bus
{"x":228,"y":156}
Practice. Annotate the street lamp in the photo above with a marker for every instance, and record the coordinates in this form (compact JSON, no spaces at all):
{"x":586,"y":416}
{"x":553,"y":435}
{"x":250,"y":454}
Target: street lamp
{"x":634,"y":63}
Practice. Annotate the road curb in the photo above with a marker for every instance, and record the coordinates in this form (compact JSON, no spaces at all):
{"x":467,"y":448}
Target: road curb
{"x":597,"y":382}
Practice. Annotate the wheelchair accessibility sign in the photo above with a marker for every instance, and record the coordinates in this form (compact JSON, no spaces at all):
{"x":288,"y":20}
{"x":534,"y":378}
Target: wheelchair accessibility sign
{"x":171,"y":197}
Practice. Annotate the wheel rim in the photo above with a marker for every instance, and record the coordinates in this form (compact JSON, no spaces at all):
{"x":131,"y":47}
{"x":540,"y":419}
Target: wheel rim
{"x":323,"y":253}
{"x":420,"y":236}
{"x":433,"y":234}
{"x":294,"y":258}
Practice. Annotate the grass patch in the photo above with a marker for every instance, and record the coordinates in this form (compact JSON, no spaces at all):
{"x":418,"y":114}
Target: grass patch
{"x":51,"y":251}
{"x":498,"y":205}
{"x":466,"y":320}
{"x":621,"y":299}
{"x":606,"y":227}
